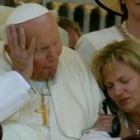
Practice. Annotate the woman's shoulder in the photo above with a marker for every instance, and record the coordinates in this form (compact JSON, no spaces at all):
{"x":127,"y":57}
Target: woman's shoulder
{"x":102,"y":33}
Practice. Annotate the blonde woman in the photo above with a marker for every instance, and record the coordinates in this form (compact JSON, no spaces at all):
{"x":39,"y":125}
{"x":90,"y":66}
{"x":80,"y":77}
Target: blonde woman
{"x":117,"y":69}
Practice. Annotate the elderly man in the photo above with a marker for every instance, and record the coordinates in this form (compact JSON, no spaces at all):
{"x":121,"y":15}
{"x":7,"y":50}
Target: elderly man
{"x":53,"y":95}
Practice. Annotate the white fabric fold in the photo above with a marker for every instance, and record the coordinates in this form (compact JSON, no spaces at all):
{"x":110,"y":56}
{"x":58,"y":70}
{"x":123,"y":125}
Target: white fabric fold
{"x":73,"y":104}
{"x":11,"y":95}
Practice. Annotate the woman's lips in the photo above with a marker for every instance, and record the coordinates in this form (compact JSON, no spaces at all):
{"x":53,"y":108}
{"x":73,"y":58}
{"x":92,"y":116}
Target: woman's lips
{"x":124,"y":101}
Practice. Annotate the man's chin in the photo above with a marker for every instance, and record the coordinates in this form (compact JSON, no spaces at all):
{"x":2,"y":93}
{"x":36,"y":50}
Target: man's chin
{"x":49,"y":74}
{"x":43,"y":78}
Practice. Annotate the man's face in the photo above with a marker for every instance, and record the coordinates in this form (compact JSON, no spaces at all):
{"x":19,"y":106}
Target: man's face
{"x":48,"y":47}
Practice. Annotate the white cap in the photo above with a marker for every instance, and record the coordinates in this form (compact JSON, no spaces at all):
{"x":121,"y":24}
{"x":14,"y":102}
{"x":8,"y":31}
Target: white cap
{"x":26,"y":12}
{"x":23,"y":13}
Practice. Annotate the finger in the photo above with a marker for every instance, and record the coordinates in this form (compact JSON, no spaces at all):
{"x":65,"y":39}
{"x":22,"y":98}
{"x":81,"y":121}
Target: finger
{"x":22,"y":39}
{"x":106,"y":129}
{"x":32,"y":46}
{"x":12,"y":37}
{"x":8,"y":34}
{"x":104,"y":121}
{"x":9,"y":40}
{"x":107,"y":116}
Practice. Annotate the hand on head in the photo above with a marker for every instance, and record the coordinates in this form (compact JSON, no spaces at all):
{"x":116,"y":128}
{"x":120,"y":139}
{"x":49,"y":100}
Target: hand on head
{"x":20,"y":54}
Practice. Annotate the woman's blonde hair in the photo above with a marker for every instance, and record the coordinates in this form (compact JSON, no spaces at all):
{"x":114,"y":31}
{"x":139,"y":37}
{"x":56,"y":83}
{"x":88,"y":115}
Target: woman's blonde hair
{"x":127,"y":51}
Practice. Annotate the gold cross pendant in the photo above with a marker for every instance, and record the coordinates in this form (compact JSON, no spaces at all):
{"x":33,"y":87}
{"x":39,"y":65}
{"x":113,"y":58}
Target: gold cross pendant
{"x":43,"y":110}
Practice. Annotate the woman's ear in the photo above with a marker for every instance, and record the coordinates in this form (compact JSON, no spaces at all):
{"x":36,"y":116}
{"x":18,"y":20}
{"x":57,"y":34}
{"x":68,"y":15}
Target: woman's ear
{"x":6,"y":48}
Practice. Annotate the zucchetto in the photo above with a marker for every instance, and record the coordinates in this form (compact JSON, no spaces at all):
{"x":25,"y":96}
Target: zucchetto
{"x":26,"y":12}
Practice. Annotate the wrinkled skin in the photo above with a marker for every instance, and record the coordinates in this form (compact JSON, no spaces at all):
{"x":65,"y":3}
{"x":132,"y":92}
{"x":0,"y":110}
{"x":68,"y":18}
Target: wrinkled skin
{"x":34,"y":47}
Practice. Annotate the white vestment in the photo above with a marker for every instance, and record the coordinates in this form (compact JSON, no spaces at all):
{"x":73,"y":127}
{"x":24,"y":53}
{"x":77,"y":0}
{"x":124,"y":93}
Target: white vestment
{"x":74,"y":104}
{"x":93,"y":41}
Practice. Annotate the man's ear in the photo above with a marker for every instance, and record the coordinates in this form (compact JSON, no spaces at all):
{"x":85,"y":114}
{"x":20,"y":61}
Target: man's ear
{"x":6,"y":48}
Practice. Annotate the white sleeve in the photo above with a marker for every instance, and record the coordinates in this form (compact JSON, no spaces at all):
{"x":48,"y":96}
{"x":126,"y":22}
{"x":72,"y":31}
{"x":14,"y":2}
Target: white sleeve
{"x":13,"y":94}
{"x":23,"y":81}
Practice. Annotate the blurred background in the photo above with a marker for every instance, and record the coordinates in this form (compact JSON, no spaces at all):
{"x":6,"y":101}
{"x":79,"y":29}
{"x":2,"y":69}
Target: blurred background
{"x":85,"y":12}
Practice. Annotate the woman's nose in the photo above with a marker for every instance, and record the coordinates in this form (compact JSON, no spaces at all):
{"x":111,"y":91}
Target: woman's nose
{"x":117,"y":90}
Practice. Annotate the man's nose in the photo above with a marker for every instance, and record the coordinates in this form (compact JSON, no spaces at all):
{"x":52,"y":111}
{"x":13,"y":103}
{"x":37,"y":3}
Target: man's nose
{"x":51,"y":54}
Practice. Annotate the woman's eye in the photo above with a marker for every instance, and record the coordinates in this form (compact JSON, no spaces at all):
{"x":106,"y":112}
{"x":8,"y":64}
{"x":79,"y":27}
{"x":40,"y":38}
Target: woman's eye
{"x":109,"y":86}
{"x":43,"y":48}
{"x":124,"y":81}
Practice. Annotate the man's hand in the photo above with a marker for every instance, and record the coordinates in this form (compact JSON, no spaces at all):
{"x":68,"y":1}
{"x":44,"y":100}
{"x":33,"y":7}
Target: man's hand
{"x":20,"y":54}
{"x":104,"y":123}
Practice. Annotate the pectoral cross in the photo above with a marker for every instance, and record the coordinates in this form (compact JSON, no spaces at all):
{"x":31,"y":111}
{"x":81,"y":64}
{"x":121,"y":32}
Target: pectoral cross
{"x":43,"y":110}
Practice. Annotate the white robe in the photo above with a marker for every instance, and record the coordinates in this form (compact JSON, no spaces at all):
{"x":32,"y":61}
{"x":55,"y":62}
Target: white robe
{"x":75,"y":102}
{"x":93,"y":41}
